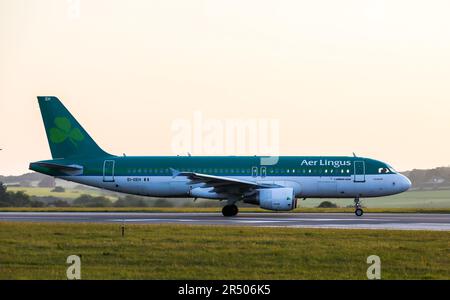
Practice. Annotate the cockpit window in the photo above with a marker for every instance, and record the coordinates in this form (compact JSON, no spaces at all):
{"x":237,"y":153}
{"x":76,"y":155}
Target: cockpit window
{"x":384,"y":171}
{"x":391,"y":169}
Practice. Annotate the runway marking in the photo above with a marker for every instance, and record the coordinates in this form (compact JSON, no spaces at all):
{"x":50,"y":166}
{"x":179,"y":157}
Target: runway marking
{"x":328,"y":220}
{"x":190,"y":220}
{"x":150,"y":220}
{"x":249,"y":220}
{"x":261,"y":221}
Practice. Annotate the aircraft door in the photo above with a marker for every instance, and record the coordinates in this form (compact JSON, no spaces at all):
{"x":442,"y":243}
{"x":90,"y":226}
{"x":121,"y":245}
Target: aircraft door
{"x":108,"y":171}
{"x":254,"y":172}
{"x":263,"y":172}
{"x":360,"y":171}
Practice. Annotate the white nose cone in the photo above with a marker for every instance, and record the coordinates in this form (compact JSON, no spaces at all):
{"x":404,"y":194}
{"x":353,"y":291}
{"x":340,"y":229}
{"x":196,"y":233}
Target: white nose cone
{"x":404,"y":183}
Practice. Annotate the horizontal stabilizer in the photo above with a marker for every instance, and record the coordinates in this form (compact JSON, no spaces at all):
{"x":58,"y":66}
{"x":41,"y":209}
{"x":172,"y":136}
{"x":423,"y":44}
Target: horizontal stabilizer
{"x":72,"y":170}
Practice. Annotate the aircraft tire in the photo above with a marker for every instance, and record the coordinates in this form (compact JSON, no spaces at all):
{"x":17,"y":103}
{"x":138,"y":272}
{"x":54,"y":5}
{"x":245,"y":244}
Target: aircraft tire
{"x":230,"y":210}
{"x":359,"y":212}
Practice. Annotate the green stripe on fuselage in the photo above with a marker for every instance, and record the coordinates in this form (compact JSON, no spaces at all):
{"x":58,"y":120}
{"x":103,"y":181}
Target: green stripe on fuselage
{"x":223,"y":165}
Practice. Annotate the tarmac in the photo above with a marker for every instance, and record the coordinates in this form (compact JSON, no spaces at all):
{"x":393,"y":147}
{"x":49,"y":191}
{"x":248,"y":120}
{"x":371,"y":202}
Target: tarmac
{"x":397,"y":221}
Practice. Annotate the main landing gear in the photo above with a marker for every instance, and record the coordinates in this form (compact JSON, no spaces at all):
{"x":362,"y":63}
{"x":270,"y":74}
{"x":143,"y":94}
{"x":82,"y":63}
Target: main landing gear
{"x":230,"y":210}
{"x":358,"y":210}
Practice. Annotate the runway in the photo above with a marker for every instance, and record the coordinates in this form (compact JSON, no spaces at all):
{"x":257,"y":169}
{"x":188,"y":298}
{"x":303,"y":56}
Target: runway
{"x":291,"y":220}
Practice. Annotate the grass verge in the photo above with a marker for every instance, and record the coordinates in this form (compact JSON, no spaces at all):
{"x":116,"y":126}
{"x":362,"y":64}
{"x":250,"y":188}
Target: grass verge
{"x":39,"y":251}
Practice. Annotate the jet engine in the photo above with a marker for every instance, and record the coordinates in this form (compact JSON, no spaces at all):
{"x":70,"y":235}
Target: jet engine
{"x":277,"y":199}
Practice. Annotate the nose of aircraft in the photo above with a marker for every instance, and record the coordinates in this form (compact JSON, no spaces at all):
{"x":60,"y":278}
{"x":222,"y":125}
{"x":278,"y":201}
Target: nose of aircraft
{"x":404,"y":183}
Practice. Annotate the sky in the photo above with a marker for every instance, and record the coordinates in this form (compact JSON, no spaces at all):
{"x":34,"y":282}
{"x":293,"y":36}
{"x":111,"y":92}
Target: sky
{"x":316,"y":77}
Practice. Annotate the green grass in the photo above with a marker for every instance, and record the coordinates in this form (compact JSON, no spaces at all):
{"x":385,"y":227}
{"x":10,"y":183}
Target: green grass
{"x":39,"y":251}
{"x":413,"y":199}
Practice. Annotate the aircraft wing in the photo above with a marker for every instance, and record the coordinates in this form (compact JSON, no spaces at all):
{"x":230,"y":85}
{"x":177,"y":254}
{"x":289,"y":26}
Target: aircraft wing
{"x":222,"y":183}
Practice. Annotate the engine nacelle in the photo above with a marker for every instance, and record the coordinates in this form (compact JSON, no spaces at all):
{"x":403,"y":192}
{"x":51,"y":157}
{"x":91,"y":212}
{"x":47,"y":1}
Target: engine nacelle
{"x":277,"y":199}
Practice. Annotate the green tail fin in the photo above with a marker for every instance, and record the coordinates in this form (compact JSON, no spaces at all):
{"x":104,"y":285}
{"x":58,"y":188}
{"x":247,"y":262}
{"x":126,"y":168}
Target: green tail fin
{"x":65,"y":135}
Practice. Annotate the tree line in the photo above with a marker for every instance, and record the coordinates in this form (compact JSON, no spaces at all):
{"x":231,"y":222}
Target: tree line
{"x":20,"y":199}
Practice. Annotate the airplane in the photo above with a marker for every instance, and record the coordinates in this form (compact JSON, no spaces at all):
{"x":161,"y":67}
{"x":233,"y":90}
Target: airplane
{"x":273,"y":186}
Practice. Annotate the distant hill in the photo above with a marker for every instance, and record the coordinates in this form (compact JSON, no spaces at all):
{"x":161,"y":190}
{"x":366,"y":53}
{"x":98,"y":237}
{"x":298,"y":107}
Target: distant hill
{"x":32,"y":179}
{"x":33,"y":176}
{"x":437,"y":178}
{"x":25,"y":180}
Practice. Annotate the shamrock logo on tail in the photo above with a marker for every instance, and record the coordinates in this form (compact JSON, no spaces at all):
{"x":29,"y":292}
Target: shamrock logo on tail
{"x":64,"y":131}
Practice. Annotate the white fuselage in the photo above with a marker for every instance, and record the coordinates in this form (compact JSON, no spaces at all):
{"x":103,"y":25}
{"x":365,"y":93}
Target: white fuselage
{"x":304,"y":186}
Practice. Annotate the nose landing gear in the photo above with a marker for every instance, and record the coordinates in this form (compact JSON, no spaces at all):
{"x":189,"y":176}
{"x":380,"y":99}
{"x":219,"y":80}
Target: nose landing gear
{"x":358,"y":210}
